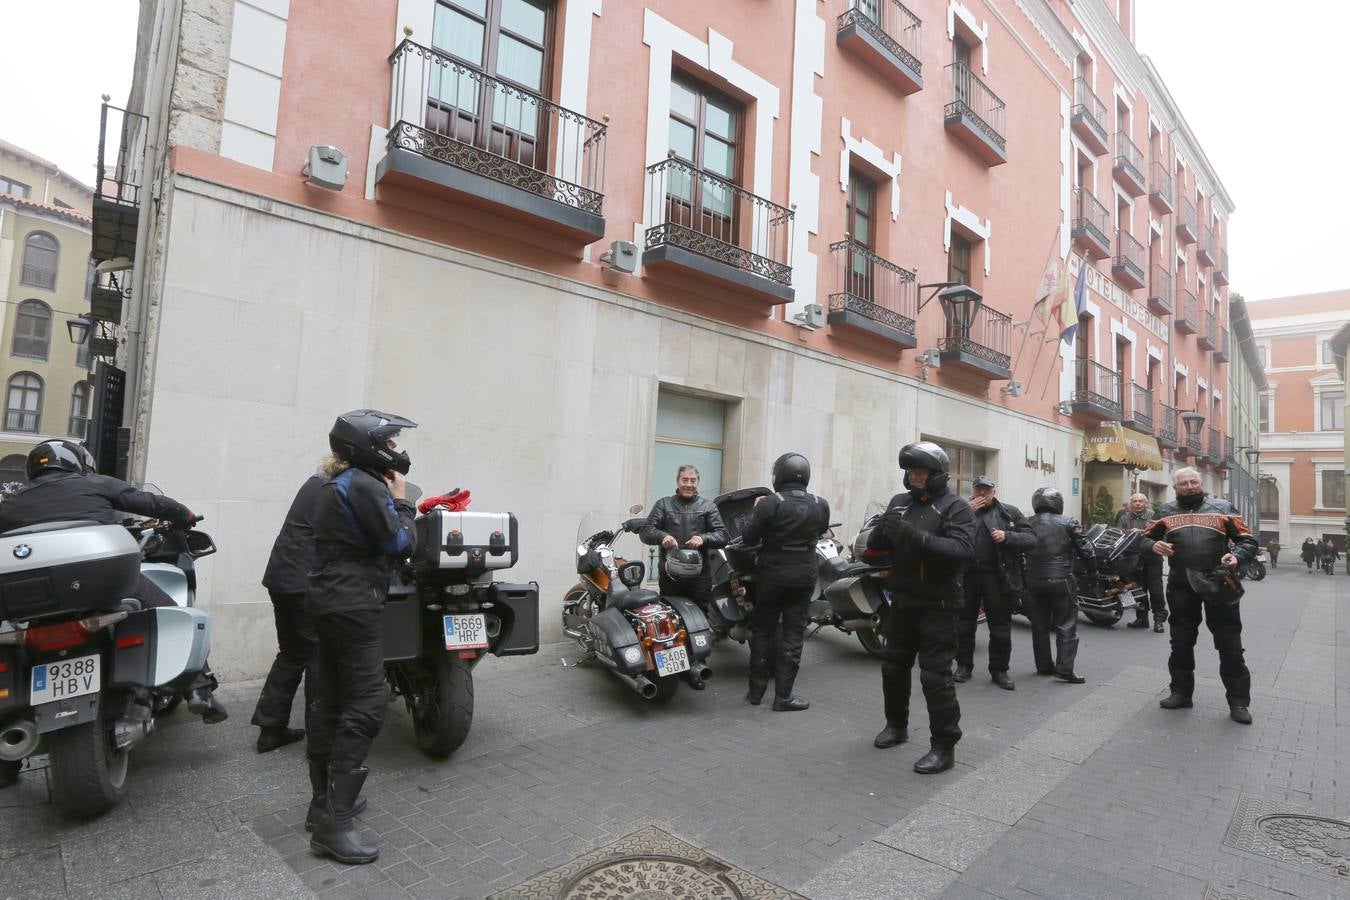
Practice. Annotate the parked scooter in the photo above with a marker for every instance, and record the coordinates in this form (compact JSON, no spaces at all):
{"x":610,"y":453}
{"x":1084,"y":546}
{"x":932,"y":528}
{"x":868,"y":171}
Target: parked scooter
{"x":82,"y":667}
{"x":649,"y":641}
{"x":445,"y":613}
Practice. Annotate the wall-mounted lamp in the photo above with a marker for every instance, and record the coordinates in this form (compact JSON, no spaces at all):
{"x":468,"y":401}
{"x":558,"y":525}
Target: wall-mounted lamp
{"x":1193,"y":421}
{"x":78,"y":329}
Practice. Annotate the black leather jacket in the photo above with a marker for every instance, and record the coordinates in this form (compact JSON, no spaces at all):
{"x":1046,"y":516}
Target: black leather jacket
{"x":682,"y":519}
{"x":1018,"y":538}
{"x":67,"y":497}
{"x":931,"y":540}
{"x":293,"y":551}
{"x":359,"y":530}
{"x":786,"y":532}
{"x":1199,"y":534}
{"x":1059,"y":539}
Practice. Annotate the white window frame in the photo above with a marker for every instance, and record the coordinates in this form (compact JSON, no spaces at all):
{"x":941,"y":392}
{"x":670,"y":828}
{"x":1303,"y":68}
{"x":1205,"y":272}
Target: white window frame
{"x":1321,"y":468}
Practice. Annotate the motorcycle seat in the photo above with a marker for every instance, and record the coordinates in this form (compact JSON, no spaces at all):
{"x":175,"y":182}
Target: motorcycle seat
{"x":636,"y":597}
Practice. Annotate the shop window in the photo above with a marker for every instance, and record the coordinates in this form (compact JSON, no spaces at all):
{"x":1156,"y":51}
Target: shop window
{"x":966,"y":463}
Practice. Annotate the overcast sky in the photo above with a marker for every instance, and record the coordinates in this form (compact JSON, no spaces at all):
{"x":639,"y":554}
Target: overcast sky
{"x":1266,"y":117}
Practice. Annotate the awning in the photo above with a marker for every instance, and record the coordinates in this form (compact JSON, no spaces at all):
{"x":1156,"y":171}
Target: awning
{"x":1118,"y":444}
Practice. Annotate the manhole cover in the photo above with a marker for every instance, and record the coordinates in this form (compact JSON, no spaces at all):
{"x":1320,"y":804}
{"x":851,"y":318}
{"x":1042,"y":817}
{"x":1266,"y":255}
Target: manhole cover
{"x":647,"y":865}
{"x":1291,"y":835}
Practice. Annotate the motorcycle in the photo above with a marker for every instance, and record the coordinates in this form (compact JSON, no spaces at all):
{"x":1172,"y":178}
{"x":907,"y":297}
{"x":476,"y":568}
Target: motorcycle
{"x":1105,"y":597}
{"x":649,"y":641}
{"x":856,"y":594}
{"x":445,"y":613}
{"x":1255,"y":568}
{"x":83,"y":668}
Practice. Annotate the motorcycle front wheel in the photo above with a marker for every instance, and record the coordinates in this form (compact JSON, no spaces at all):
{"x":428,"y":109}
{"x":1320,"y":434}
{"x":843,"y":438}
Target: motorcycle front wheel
{"x":442,"y":719}
{"x":88,"y":772}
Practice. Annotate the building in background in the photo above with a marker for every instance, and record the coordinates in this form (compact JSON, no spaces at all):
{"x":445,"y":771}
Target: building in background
{"x":44,"y":281}
{"x":798,"y":225}
{"x":1340,"y":348}
{"x":1246,"y":386}
{"x":1302,"y":416}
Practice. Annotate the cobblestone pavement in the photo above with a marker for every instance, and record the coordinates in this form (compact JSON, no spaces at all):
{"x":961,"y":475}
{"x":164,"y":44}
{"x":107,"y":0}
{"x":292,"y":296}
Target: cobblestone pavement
{"x":1059,"y":791}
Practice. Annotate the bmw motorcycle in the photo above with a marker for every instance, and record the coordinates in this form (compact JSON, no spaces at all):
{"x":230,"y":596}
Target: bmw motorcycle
{"x":649,"y":641}
{"x":83,"y":668}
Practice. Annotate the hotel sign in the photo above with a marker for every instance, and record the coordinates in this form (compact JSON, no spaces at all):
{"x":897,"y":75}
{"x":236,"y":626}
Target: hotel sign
{"x":1103,"y":287}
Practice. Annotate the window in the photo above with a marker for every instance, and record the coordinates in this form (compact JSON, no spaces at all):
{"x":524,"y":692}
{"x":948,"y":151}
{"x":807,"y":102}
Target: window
{"x":79,"y":410}
{"x":1333,"y":489}
{"x":82,"y":355}
{"x":860,"y":219}
{"x":704,"y":131}
{"x":32,"y":330}
{"x":40,"y":254}
{"x":508,"y":40}
{"x":14,"y":188}
{"x":966,"y":463}
{"x":1270,"y":499}
{"x":1332,"y":410}
{"x":1328,"y":358}
{"x":1265,"y":413}
{"x":23,"y":403}
{"x":14,"y":469}
{"x":689,"y":432}
{"x":1261,"y":354}
{"x":958,"y":260}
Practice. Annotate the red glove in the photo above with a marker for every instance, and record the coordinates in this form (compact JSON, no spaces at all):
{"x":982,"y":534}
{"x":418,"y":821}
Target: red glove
{"x":455,"y":501}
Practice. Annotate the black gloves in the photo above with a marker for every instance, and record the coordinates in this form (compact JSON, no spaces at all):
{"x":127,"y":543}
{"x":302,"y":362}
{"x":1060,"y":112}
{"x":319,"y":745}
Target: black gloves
{"x":894,"y":526}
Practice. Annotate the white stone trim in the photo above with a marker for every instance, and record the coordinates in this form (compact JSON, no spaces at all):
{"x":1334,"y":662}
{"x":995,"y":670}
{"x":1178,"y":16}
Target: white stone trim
{"x":1320,"y":387}
{"x":873,"y":156}
{"x":253,"y":83}
{"x":1320,"y":468}
{"x":957,"y":10}
{"x":807,"y":128}
{"x":969,"y":221}
{"x":1066,"y":136}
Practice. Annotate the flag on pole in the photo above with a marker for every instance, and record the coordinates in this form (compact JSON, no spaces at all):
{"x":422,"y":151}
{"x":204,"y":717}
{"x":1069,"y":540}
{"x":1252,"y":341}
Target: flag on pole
{"x":1069,"y":312}
{"x":1052,"y":286}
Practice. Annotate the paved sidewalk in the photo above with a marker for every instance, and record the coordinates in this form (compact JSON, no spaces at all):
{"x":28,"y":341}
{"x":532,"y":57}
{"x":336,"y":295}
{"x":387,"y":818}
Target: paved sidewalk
{"x":1060,"y":791}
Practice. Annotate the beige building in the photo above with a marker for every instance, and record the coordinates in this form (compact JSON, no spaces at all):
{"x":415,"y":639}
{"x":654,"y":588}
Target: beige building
{"x":44,"y":281}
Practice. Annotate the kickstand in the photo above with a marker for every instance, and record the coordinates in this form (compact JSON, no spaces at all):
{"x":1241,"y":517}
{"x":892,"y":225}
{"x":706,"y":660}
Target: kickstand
{"x":814,"y":631}
{"x":572,"y":664}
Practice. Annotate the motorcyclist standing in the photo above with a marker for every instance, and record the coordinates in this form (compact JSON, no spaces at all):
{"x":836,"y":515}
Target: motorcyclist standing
{"x":1050,"y":584}
{"x":1193,"y":531}
{"x":363,"y":521}
{"x":286,"y":578}
{"x":64,"y":487}
{"x":930,"y":533}
{"x":991,"y":580}
{"x":1137,"y":516}
{"x":680,"y":522}
{"x":785,"y":525}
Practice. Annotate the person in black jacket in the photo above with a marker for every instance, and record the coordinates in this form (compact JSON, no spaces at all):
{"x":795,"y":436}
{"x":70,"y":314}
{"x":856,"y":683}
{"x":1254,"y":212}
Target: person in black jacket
{"x":991,"y":580}
{"x":286,"y":578}
{"x":1193,"y":532}
{"x":930,"y":533}
{"x":785,"y":526}
{"x":363,"y":522}
{"x":1051,"y":591}
{"x":1137,"y":516}
{"x":63,"y":487}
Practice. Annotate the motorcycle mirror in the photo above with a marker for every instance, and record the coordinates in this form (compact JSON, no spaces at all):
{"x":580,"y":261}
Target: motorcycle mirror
{"x":413,"y":491}
{"x":635,"y":509}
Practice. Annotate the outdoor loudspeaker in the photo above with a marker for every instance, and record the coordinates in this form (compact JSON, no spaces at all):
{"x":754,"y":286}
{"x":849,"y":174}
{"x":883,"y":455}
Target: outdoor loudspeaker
{"x":621,"y":257}
{"x":326,"y":167}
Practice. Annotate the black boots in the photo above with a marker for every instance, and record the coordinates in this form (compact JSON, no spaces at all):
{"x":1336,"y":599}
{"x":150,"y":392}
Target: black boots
{"x":1240,"y":714}
{"x":271,"y":737}
{"x":789,"y":704}
{"x":1002,"y":680}
{"x":330,"y":807}
{"x":1176,"y":701}
{"x":938,"y":759}
{"x":891,"y":735}
{"x":755,"y":694}
{"x":963,"y":674}
{"x":203,"y":702}
{"x":1069,"y":678}
{"x":1138,"y":623}
{"x":1158,"y":626}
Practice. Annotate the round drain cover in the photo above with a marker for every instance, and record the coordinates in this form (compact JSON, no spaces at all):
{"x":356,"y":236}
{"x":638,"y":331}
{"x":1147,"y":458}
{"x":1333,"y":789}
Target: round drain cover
{"x":1324,"y":842}
{"x":649,"y":878}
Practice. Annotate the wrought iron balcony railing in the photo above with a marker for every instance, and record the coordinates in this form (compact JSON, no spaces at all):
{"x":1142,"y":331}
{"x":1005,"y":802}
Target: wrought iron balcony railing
{"x":1091,"y":223}
{"x":1160,"y":290}
{"x":1167,"y":425}
{"x":1130,"y":164}
{"x":22,"y":419}
{"x":1221,"y":345}
{"x":121,"y":156}
{"x":893,"y":26}
{"x":1215,"y":445}
{"x":38,"y":276}
{"x":452,"y":113}
{"x":1185,"y":221}
{"x":1195,"y":444}
{"x":974,"y":103}
{"x":1160,"y":185}
{"x":1090,"y":113}
{"x":1185,"y":317}
{"x":705,"y":214}
{"x":1140,"y":414}
{"x":987,"y":336}
{"x":1204,"y":246}
{"x":1205,"y":339}
{"x":1128,"y":264}
{"x":874,"y":288}
{"x":1096,"y":389}
{"x":1221,"y":267}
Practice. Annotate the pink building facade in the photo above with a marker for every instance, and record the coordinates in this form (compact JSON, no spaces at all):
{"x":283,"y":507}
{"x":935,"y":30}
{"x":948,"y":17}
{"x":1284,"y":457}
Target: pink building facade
{"x":584,"y":241}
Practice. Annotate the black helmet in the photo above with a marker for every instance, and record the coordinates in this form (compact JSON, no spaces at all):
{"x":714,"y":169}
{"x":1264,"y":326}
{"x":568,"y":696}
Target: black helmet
{"x":1222,"y":584}
{"x":65,"y":456}
{"x":927,"y":455}
{"x":790,"y":469}
{"x":684,"y":563}
{"x":1047,"y":500}
{"x":361,"y":437}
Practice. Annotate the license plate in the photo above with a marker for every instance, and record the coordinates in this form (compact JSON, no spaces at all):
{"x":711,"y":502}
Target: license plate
{"x":63,"y":680}
{"x":466,"y":632}
{"x":672,"y":661}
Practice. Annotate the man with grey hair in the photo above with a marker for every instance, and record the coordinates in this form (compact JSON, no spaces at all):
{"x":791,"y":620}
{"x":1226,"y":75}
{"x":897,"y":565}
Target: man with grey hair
{"x":1194,"y":532}
{"x":1136,"y":517}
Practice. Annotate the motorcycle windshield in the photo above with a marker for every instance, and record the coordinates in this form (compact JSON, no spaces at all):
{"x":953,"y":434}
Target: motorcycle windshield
{"x":874,"y":509}
{"x":624,"y":544}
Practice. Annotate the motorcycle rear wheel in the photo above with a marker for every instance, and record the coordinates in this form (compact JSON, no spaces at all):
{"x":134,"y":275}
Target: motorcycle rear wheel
{"x":1255,"y":571}
{"x":1104,"y":619}
{"x":666,"y":687}
{"x":88,"y":772}
{"x":443,"y":718}
{"x":873,"y":641}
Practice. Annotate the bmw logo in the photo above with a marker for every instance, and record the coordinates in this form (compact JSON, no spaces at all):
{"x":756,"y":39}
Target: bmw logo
{"x":23,"y":551}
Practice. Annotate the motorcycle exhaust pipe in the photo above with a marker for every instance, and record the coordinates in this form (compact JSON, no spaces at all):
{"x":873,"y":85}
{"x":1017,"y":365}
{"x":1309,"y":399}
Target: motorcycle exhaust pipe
{"x":700,"y":671}
{"x":640,"y":683}
{"x":18,"y":740}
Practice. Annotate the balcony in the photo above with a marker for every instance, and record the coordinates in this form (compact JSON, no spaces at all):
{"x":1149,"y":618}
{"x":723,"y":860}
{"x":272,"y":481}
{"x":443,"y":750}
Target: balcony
{"x":1160,"y":187}
{"x":1090,"y":225}
{"x":975,"y":116}
{"x":873,"y":297}
{"x":714,"y":230}
{"x":1139,"y":415}
{"x":119,"y":183}
{"x":981,"y":344}
{"x":1221,"y":267}
{"x":1221,"y":345}
{"x":1167,"y":426}
{"x":886,"y":36}
{"x":1184,"y":318}
{"x":1205,"y":338}
{"x":106,"y":296}
{"x":1088,"y":118}
{"x":461,"y":135}
{"x":1187,"y":231}
{"x":1096,"y":391}
{"x":1204,"y":247}
{"x":1215,"y":446}
{"x":1193,"y":447}
{"x":1229,"y":452}
{"x":1159,"y":290}
{"x":1129,"y":166}
{"x":1128,"y":265}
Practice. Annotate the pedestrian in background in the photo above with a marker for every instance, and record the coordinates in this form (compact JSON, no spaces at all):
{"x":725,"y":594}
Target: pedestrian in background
{"x":1309,"y":552}
{"x":1329,"y":557}
{"x":1273,"y":548}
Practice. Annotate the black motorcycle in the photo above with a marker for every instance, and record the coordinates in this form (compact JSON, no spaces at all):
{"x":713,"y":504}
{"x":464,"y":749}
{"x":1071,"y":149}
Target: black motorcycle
{"x":1114,"y":589}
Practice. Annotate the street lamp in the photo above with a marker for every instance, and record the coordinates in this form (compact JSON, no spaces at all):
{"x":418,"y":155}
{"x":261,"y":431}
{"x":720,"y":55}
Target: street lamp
{"x":78,"y":328}
{"x":1193,"y":421}
{"x":960,"y":304}
{"x":1253,"y":456}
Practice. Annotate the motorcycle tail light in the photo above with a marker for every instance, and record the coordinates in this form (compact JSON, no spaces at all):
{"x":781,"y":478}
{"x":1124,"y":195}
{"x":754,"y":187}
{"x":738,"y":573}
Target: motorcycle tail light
{"x":664,"y":629}
{"x":61,"y":636}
